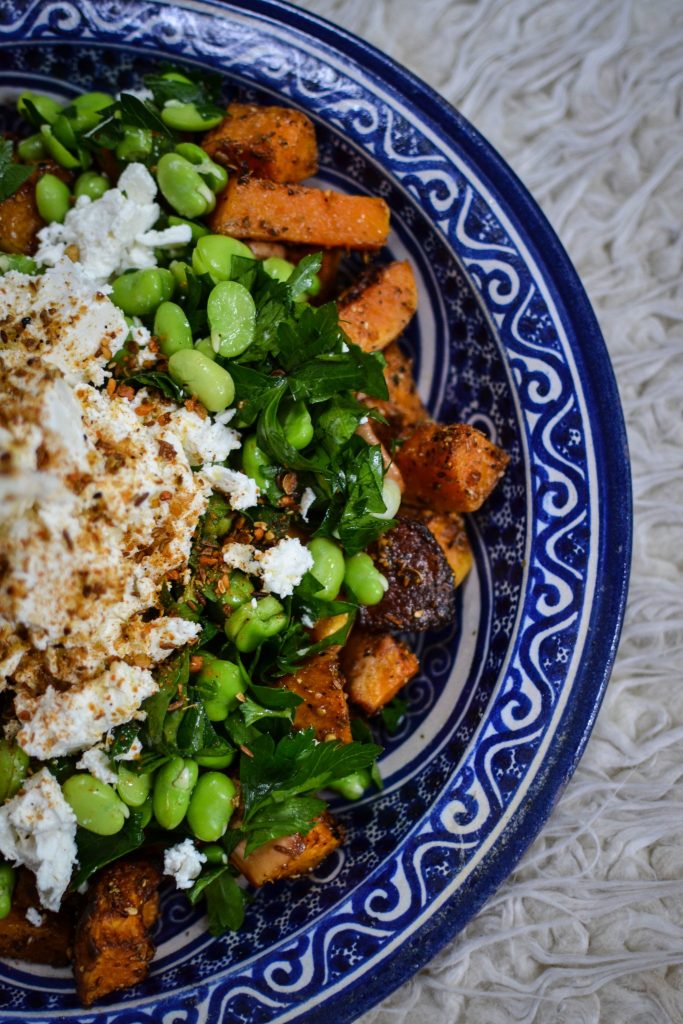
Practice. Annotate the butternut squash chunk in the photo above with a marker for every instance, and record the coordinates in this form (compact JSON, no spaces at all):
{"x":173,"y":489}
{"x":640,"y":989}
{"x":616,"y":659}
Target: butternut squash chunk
{"x":50,"y":942}
{"x":403,"y":409}
{"x":269,"y":211}
{"x":20,"y":221}
{"x":320,"y":684}
{"x":268,"y":142}
{"x":376,"y":666}
{"x":290,"y":856}
{"x":450,"y":468}
{"x":448,"y":529}
{"x":113,"y":946}
{"x":379,"y":306}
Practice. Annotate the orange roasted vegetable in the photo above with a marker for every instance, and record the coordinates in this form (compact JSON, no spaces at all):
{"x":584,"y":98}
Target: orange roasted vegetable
{"x":448,"y":529}
{"x":324,"y":709}
{"x":268,"y":211}
{"x":379,"y":306}
{"x":290,"y":856}
{"x":376,"y":666}
{"x":268,"y":142}
{"x":403,"y":410}
{"x":49,"y":942}
{"x":20,"y":221}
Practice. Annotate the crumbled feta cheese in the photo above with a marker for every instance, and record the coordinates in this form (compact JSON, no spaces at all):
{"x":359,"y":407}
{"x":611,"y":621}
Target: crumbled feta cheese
{"x":97,"y":763}
{"x":242,"y":491}
{"x":58,"y":723}
{"x":283,"y":566}
{"x":38,"y":830}
{"x":34,"y":917}
{"x":133,"y":752}
{"x":307,"y":499}
{"x":204,"y":440}
{"x":184,"y":863}
{"x":156,"y":639}
{"x":242,"y":557}
{"x":113,"y":233}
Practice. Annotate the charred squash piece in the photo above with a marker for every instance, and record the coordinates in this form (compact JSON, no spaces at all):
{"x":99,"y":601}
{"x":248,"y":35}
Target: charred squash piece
{"x":20,"y":221}
{"x":450,"y":468}
{"x":268,"y":142}
{"x":449,"y":531}
{"x":376,"y":666}
{"x":324,"y":707}
{"x":290,"y":856}
{"x":113,"y":947}
{"x":421,"y":592}
{"x":50,"y":942}
{"x":403,"y":410}
{"x":379,"y":306}
{"x":268,"y":211}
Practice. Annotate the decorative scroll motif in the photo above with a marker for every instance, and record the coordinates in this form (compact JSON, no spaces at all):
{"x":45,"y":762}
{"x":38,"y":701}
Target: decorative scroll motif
{"x":407,"y":846}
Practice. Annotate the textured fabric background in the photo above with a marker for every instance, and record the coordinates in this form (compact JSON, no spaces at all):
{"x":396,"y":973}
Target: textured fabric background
{"x":584,"y":98}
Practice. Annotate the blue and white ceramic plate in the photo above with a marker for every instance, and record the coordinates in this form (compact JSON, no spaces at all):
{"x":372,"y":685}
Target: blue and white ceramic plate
{"x":505,"y":339}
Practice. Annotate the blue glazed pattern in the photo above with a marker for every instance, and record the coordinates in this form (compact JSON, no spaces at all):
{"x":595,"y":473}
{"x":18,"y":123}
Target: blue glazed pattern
{"x":504,"y":340}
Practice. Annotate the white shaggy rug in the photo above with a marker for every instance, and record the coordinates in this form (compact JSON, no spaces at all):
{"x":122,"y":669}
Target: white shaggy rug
{"x":584,"y":98}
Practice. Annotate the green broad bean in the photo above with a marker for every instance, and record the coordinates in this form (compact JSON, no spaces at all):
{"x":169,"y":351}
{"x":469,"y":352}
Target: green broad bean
{"x":231,"y":312}
{"x":179,"y":269}
{"x":366,"y":583}
{"x":52,"y":198}
{"x":140,"y":292}
{"x":352,"y":787}
{"x":183,"y":187}
{"x":328,"y":567}
{"x":218,"y":684}
{"x":215,"y":176}
{"x":240,"y":589}
{"x":297,"y":425}
{"x":31,"y":149}
{"x":8,"y":877}
{"x":208,"y":381}
{"x":218,"y":517}
{"x":96,"y":805}
{"x":215,"y":854}
{"x":173,"y":788}
{"x":198,"y":230}
{"x":212,"y":806}
{"x":172,"y":328}
{"x":59,"y":153}
{"x":253,"y":461}
{"x":213,"y":255}
{"x":13,"y":769}
{"x":206,"y":348}
{"x":17,"y":261}
{"x":215,"y":760}
{"x":254,"y":622}
{"x":92,"y":101}
{"x":47,"y":108}
{"x":133,"y":787}
{"x":91,"y":184}
{"x":391,"y":496}
{"x":136,"y":144}
{"x":278,"y":269}
{"x":186,"y":117}
{"x":146,"y":811}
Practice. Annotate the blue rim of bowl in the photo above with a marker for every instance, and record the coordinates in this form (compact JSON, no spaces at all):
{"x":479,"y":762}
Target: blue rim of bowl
{"x":614,"y":507}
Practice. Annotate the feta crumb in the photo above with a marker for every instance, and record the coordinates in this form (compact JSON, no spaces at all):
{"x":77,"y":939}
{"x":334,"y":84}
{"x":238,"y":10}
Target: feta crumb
{"x":204,"y":440}
{"x":242,"y":557}
{"x":133,"y":752}
{"x":59,"y":723}
{"x":97,"y":763}
{"x":38,"y":830}
{"x":34,"y":917}
{"x":242,"y":491}
{"x":283,"y":566}
{"x":184,"y":863}
{"x":307,"y":499}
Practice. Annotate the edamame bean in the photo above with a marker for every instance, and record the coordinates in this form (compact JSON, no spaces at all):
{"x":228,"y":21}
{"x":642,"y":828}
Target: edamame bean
{"x":328,"y":567}
{"x":31,"y":149}
{"x":52,"y":198}
{"x":139,"y":293}
{"x":213,"y":255}
{"x":8,"y":877}
{"x":239,"y":590}
{"x":215,"y":760}
{"x":92,"y":101}
{"x":146,"y":812}
{"x":179,"y":269}
{"x":47,"y":108}
{"x":175,"y":76}
{"x":253,"y":461}
{"x":391,"y":496}
{"x":198,"y":230}
{"x":215,"y":176}
{"x":17,"y":261}
{"x":231,"y":312}
{"x":13,"y":769}
{"x":277,"y":268}
{"x":57,"y":150}
{"x":249,"y":626}
{"x":173,"y":788}
{"x":136,"y":144}
{"x":183,"y":188}
{"x":218,"y":684}
{"x":297,"y":425}
{"x":206,"y":348}
{"x":91,"y":184}
{"x":366,"y":583}
{"x":172,"y":328}
{"x":133,"y":787}
{"x":211,"y":806}
{"x":352,"y":787}
{"x":95,"y":804}
{"x":185,"y":117}
{"x":215,"y":854}
{"x":208,"y":381}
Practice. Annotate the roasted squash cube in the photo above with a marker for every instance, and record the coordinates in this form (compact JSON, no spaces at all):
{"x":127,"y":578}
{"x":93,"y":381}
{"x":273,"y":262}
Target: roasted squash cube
{"x":324,"y":708}
{"x":290,"y":856}
{"x":376,"y":666}
{"x":268,"y":142}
